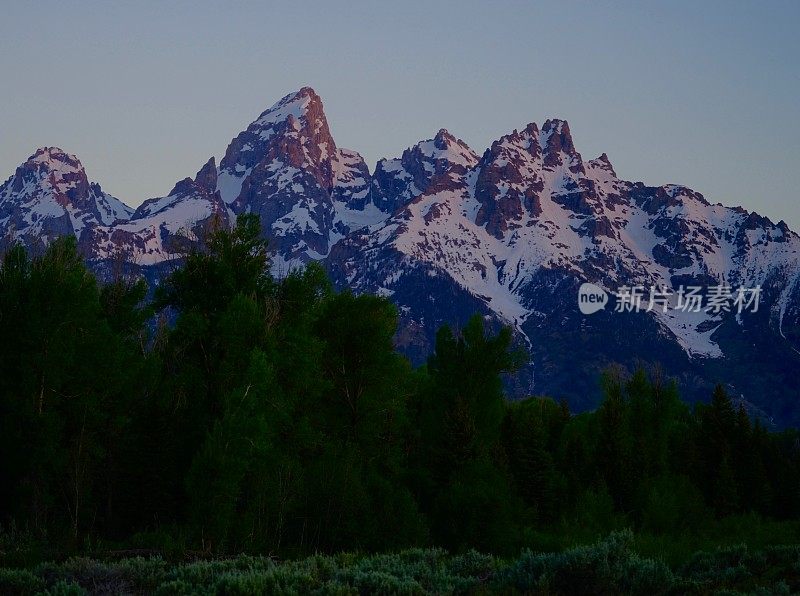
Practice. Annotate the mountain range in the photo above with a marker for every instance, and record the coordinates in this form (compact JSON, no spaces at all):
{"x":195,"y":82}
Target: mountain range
{"x":444,"y":232}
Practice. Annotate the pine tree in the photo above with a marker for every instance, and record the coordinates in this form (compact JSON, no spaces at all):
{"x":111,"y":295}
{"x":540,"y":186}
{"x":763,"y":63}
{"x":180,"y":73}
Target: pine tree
{"x":613,"y":442}
{"x":461,"y":409}
{"x":525,"y":441}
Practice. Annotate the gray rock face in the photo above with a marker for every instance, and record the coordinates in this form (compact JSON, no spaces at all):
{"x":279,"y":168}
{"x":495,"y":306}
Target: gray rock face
{"x":444,"y":233}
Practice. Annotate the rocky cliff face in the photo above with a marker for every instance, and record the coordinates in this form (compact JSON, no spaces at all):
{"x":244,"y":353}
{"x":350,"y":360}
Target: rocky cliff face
{"x":445,"y":232}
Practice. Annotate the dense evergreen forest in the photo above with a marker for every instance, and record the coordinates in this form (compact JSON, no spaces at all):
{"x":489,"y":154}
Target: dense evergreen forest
{"x":237,"y":413}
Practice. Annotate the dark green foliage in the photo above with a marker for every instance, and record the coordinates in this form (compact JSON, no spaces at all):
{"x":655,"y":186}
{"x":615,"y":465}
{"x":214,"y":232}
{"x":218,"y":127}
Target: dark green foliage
{"x":462,"y":483}
{"x":464,"y":405}
{"x":230,"y":263}
{"x":235,"y":412}
{"x":66,"y":373}
{"x":531,"y":432}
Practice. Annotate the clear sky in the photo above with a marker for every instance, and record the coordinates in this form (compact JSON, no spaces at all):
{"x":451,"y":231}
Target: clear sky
{"x":698,"y":93}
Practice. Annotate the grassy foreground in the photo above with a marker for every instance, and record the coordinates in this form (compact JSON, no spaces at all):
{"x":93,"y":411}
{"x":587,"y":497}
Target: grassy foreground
{"x":610,"y":566}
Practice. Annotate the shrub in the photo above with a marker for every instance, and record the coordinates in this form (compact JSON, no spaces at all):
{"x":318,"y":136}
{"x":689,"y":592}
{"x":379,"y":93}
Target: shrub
{"x":65,"y":588}
{"x":608,"y":567}
{"x":19,"y":581}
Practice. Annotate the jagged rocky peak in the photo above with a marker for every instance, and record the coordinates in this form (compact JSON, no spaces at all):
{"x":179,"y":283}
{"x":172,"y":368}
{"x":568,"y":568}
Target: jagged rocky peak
{"x":526,"y":169}
{"x":443,"y":153}
{"x":602,"y":163}
{"x":52,"y":159}
{"x":556,"y":142}
{"x":60,"y":171}
{"x":286,"y":168}
{"x":49,"y":195}
{"x":556,"y":136}
{"x":448,"y":152}
{"x":510,"y":181}
{"x":301,"y":111}
{"x":289,"y":150}
{"x":351,"y":180}
{"x":207,"y":176}
{"x":293,"y":132}
{"x":513,"y":146}
{"x":204,"y":181}
{"x":522,"y":154}
{"x":429,"y":166}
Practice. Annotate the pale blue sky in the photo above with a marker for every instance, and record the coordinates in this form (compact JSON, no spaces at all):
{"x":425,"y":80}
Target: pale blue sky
{"x":699,"y":93}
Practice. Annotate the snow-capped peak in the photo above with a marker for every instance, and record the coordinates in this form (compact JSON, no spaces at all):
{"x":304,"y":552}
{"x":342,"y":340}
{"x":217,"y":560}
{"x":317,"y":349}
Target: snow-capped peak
{"x":294,"y":132}
{"x":57,"y":170}
{"x":448,"y":150}
{"x":54,"y":159}
{"x":296,"y":105}
{"x":49,"y":195}
{"x":63,"y":174}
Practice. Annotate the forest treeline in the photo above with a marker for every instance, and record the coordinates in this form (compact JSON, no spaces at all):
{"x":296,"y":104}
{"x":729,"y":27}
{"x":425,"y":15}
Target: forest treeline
{"x":236,"y":412}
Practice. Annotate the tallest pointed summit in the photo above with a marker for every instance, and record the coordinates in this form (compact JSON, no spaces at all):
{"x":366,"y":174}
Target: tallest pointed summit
{"x":303,"y":105}
{"x":293,"y":131}
{"x":286,"y":168}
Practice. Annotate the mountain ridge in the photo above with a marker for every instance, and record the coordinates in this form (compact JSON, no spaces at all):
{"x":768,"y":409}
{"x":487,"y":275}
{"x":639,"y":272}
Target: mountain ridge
{"x":443,"y":231}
